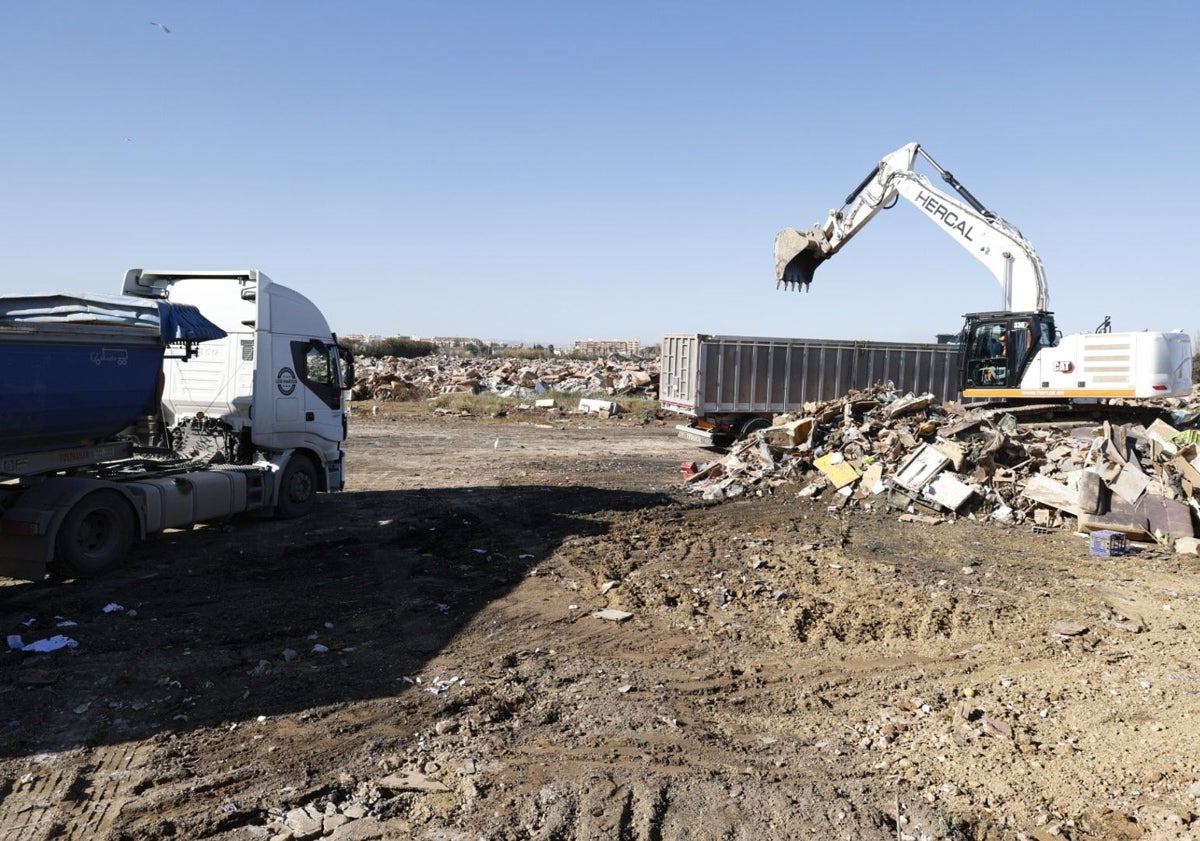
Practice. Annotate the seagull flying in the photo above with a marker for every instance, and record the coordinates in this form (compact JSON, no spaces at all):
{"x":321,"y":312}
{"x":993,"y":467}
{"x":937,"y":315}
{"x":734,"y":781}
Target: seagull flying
{"x":161,"y":26}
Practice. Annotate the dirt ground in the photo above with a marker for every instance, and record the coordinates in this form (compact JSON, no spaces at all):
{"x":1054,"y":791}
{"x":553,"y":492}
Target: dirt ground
{"x":426,"y":657}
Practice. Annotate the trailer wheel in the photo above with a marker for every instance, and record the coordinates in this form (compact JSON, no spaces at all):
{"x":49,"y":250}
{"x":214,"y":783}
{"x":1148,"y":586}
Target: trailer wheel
{"x":753,"y":425}
{"x":297,"y":488}
{"x":94,"y":536}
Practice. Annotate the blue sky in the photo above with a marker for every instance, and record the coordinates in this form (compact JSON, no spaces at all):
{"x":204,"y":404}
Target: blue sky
{"x":552,"y":171}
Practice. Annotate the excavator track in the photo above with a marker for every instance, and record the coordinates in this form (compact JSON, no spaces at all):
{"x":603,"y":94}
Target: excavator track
{"x":1081,"y":413}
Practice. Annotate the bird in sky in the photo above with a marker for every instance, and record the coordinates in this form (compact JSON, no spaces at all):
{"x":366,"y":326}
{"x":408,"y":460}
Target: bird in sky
{"x":161,"y":26}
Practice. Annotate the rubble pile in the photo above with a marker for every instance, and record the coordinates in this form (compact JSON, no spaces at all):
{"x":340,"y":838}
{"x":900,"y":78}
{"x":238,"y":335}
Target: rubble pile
{"x":871,"y":447}
{"x":391,"y":378}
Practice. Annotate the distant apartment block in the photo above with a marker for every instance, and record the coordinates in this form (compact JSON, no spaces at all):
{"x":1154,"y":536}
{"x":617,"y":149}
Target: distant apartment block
{"x":596,"y":347}
{"x":362,"y":338}
{"x":455,"y":342}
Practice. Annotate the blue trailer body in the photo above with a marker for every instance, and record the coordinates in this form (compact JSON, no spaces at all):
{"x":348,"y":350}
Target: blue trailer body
{"x":76,"y":369}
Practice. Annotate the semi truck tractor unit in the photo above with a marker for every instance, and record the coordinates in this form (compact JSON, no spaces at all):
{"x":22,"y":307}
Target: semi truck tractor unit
{"x":192,"y":396}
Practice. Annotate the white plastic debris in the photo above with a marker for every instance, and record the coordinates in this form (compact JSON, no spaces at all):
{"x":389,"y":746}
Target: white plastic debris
{"x":613,"y":615}
{"x":54,"y":643}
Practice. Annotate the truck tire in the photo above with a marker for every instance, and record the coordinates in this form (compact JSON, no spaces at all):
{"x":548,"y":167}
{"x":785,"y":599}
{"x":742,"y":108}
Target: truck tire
{"x":297,"y":488}
{"x":94,"y":536}
{"x":753,"y":425}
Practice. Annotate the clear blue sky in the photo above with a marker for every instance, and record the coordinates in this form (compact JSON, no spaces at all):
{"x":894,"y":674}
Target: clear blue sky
{"x":550,"y":171}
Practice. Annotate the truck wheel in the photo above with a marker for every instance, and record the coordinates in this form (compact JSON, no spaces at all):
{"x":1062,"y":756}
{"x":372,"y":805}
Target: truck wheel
{"x":753,"y":425}
{"x":94,"y":536}
{"x":297,"y":488}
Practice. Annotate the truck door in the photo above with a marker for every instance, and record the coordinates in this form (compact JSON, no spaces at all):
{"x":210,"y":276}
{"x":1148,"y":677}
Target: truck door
{"x":308,"y":391}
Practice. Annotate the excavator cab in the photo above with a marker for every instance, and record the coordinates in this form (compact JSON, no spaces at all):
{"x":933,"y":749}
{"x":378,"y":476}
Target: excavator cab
{"x":996,"y":347}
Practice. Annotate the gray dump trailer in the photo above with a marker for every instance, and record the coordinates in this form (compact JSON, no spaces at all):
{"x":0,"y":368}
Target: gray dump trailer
{"x":729,"y":386}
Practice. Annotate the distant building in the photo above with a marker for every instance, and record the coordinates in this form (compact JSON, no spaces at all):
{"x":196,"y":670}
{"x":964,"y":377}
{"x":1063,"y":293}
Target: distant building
{"x":445,"y":343}
{"x":596,"y":347}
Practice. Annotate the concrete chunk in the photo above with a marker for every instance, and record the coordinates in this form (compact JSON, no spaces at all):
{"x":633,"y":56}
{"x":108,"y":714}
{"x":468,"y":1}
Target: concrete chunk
{"x":1187,"y":546}
{"x":590,"y":405}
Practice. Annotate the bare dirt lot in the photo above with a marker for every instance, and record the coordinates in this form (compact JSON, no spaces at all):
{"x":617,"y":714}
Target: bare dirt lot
{"x":428,"y":657}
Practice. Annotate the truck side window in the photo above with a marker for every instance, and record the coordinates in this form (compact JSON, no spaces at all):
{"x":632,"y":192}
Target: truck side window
{"x":316,"y":366}
{"x":317,"y":363}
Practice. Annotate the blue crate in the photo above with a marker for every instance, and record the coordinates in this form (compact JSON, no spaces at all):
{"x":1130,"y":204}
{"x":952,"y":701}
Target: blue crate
{"x":1108,"y":543}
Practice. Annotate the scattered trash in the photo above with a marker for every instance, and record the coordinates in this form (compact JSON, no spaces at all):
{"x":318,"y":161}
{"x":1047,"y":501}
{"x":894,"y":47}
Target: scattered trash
{"x":612,"y":615}
{"x":439,"y":685}
{"x":54,"y":643}
{"x":1107,"y":543}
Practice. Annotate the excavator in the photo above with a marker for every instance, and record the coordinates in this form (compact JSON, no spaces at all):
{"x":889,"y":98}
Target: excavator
{"x":1013,"y":355}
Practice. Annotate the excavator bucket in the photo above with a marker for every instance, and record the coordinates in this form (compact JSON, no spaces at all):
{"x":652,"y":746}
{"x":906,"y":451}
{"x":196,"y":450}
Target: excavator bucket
{"x":797,"y":255}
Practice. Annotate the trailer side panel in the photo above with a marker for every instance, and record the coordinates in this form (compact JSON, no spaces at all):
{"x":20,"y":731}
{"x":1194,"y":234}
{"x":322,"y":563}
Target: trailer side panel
{"x":704,"y":374}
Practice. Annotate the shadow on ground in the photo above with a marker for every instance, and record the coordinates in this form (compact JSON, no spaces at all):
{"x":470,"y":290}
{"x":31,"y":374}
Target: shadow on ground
{"x":266,"y":618}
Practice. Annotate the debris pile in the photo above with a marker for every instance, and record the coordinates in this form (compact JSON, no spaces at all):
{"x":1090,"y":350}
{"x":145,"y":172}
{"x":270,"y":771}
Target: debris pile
{"x":1135,"y":479}
{"x":391,"y":378}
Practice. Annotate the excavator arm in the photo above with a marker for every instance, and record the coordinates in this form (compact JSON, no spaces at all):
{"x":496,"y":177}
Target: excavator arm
{"x":990,"y":239}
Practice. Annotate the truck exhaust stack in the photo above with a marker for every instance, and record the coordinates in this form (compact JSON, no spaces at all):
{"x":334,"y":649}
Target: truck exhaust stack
{"x":797,"y":255}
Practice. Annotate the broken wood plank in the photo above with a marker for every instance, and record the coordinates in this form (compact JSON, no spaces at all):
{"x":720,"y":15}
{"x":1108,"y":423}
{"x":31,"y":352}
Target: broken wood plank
{"x":1042,"y":489}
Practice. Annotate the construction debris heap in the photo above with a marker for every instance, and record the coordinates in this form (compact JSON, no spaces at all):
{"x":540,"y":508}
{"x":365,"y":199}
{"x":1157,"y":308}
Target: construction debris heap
{"x":391,"y":378}
{"x":1134,"y":479}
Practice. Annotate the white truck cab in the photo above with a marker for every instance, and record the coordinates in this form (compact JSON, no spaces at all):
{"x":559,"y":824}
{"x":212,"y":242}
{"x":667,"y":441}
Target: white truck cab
{"x":277,"y":381}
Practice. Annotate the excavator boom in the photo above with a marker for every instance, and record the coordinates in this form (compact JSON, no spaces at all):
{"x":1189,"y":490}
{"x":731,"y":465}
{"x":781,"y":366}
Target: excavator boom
{"x":990,"y":239}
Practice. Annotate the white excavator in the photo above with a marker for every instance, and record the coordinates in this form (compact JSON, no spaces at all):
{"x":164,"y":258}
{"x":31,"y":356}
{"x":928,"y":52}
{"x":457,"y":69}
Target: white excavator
{"x":1014,"y":354}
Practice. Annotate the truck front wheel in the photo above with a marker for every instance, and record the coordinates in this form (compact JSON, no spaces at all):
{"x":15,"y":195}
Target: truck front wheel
{"x":297,"y":488}
{"x":94,"y":536}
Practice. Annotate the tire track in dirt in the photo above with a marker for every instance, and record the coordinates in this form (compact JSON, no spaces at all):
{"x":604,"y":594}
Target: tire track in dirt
{"x":83,"y":799}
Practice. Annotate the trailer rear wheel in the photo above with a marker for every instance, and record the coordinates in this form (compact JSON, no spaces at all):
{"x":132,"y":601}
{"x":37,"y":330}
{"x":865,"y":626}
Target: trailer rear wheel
{"x":94,"y":536}
{"x":297,"y":488}
{"x":753,"y":425}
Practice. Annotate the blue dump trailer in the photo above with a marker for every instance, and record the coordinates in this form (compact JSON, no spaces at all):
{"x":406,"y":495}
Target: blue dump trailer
{"x":78,"y":369}
{"x":191,"y":397}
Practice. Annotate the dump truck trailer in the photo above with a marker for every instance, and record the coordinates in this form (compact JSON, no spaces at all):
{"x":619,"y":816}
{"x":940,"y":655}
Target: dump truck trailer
{"x":192,"y":396}
{"x":730,"y":386}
